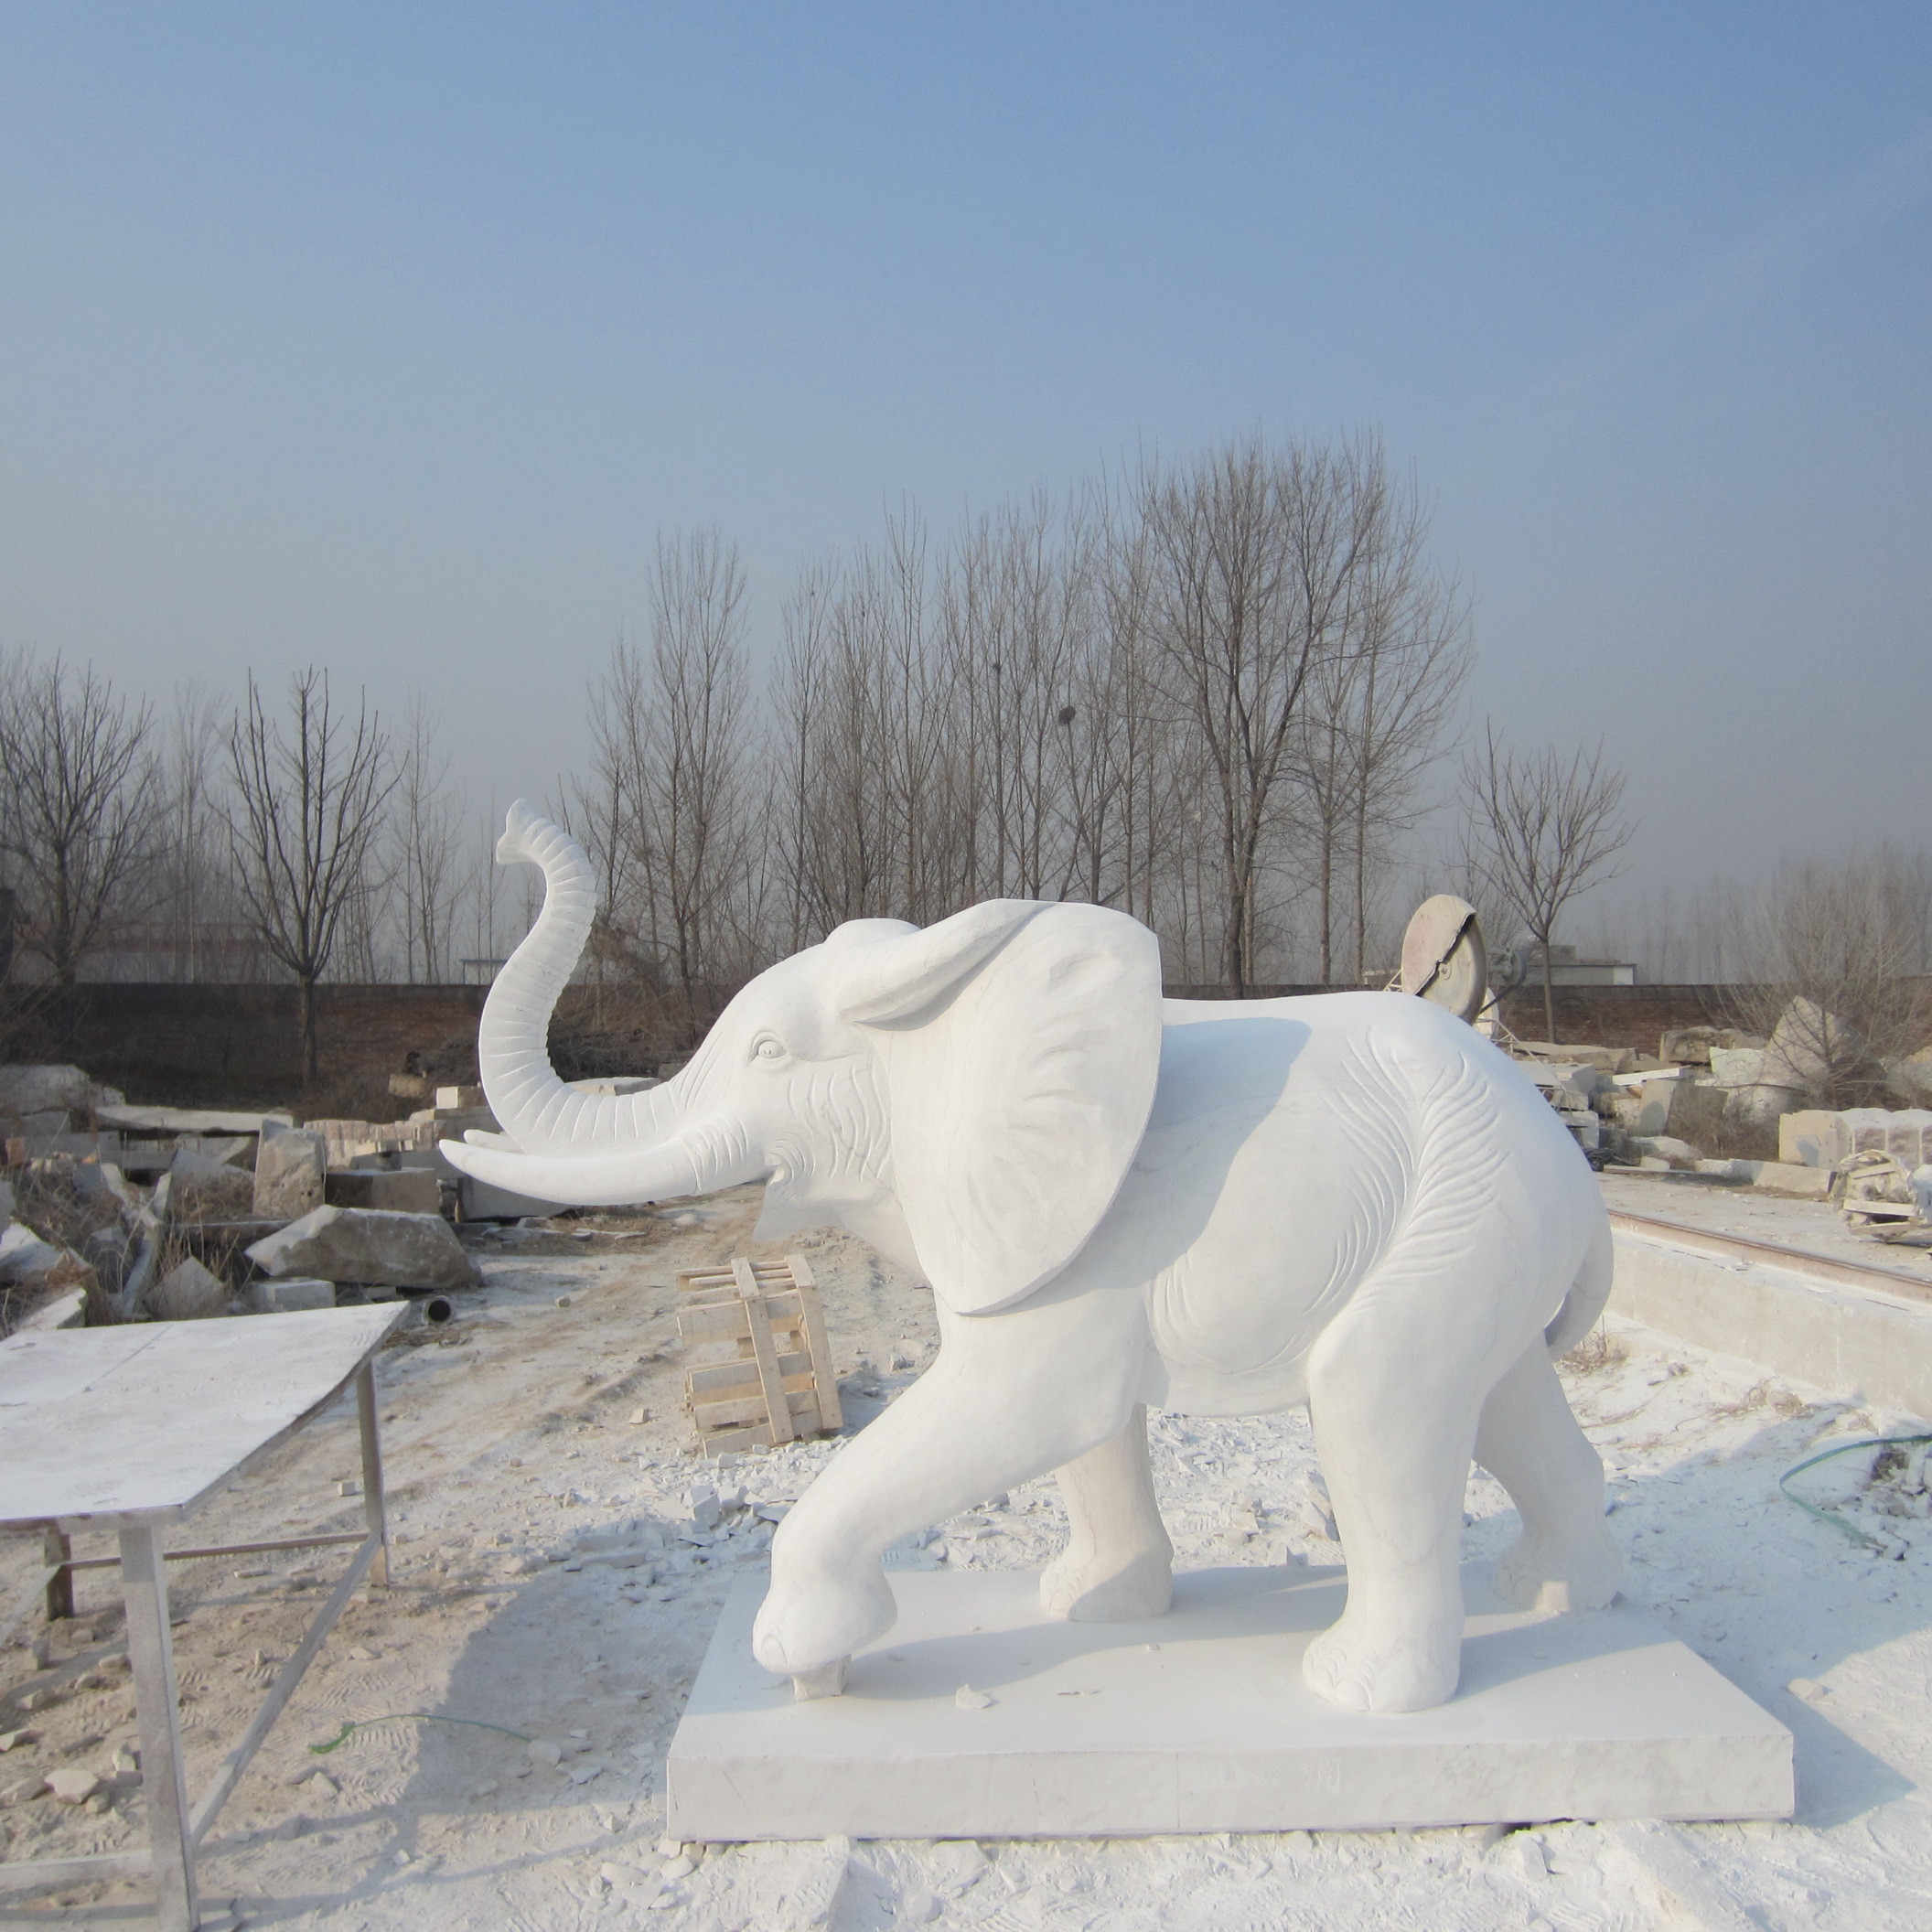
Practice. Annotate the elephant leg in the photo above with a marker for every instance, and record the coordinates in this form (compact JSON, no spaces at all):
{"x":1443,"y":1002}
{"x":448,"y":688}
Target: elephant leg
{"x":1118,"y":1565}
{"x":1393,"y":1392}
{"x":1531,"y":1443}
{"x":1010,"y":1397}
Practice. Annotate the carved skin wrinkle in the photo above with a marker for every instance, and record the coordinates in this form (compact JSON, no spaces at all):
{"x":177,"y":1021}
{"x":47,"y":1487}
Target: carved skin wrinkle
{"x":841,"y":1171}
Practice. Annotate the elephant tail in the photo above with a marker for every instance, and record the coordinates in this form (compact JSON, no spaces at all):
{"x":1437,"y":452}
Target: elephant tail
{"x":1588,"y":1292}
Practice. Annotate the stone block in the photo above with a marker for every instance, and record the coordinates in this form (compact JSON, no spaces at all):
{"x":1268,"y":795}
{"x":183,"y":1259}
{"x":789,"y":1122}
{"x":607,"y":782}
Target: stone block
{"x":1565,"y":1084}
{"x":1664,"y":1147}
{"x":356,"y":1244}
{"x":481,"y":1202}
{"x":1759,"y":1106}
{"x":1794,"y":1178}
{"x":1691,"y":1045}
{"x":290,"y":1295}
{"x":1653,"y":1109}
{"x":201,"y":1188}
{"x":1737,"y":1065}
{"x":65,"y":1311}
{"x":187,"y":1292}
{"x":1812,"y":1137}
{"x":290,"y":1166}
{"x":1862,"y":1345}
{"x":1199,"y":1721}
{"x":24,"y":1256}
{"x":1605,"y":1060}
{"x":1810,"y":1046}
{"x":458,"y":1099}
{"x":407,"y":1190}
{"x":1908,"y":1137}
{"x":1697,"y":1110}
{"x":44,"y":1090}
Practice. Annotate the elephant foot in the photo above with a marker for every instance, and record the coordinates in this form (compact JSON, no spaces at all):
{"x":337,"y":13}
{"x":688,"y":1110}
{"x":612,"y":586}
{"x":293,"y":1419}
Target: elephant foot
{"x":1360,"y":1668}
{"x":1553,"y":1574}
{"x":1101,"y":1591}
{"x":807,"y":1630}
{"x":827,"y":1681}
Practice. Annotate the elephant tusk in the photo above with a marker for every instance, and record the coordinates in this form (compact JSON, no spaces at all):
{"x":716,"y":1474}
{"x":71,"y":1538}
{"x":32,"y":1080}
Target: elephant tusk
{"x":651,"y":1174}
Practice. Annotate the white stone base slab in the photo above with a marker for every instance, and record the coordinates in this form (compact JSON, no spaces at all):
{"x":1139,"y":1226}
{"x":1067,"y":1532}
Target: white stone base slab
{"x":1199,"y":1721}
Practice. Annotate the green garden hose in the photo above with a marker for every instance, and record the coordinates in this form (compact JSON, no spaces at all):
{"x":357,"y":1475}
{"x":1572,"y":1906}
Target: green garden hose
{"x":1832,"y":1515}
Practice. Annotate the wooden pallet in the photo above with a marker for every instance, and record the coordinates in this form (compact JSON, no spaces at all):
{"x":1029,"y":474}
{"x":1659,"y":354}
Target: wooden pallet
{"x":780,"y":1385}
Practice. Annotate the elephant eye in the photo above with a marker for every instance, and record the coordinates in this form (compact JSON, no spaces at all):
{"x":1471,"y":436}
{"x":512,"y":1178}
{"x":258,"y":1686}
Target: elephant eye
{"x":768,"y":1050}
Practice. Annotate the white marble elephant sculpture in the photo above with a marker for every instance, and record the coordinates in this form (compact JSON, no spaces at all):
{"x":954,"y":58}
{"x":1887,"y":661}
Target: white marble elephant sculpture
{"x":1351,"y":1200}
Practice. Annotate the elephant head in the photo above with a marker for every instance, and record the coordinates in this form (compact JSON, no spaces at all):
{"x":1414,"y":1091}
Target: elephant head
{"x":967,"y":1097}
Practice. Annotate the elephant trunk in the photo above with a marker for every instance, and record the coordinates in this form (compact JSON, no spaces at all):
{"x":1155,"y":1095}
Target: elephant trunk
{"x":559,"y":1144}
{"x":532,"y":1106}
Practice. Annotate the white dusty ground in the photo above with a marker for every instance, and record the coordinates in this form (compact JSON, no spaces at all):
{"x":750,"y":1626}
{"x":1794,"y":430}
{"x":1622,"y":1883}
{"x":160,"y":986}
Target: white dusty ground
{"x":510,"y":1444}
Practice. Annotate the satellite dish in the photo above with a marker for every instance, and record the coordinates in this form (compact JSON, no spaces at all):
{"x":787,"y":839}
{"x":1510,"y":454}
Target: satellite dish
{"x":1444,"y":961}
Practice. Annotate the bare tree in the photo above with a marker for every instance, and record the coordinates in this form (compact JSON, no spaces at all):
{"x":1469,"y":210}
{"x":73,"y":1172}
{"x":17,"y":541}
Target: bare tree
{"x":1259,"y":557}
{"x":194,"y":891}
{"x":304,"y":823}
{"x":425,"y":861}
{"x":672,"y":729}
{"x":1542,"y":827}
{"x":1840,"y":955}
{"x":79,"y":806}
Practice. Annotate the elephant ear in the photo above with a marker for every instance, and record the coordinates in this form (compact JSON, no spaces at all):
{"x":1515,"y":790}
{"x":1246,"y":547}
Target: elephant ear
{"x":1023,"y":1042}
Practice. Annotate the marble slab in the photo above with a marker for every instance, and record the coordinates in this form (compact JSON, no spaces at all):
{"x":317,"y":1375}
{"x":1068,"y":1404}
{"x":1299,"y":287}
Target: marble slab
{"x":1199,"y":1721}
{"x":138,"y":1424}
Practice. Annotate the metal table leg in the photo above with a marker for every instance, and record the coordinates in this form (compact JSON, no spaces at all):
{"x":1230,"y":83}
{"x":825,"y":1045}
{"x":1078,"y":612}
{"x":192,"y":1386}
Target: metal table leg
{"x":56,"y":1552}
{"x":151,"y":1651}
{"x":374,"y":1508}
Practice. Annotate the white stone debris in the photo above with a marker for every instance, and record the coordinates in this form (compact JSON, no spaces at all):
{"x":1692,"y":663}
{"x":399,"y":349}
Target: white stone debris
{"x":356,"y":1244}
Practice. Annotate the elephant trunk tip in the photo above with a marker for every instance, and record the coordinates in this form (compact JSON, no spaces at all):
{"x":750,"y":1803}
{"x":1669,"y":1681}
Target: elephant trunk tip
{"x":518,"y":824}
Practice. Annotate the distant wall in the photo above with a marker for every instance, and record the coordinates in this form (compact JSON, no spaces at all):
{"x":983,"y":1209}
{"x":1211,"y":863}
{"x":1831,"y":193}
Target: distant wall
{"x":236,"y":1044}
{"x":202,"y":1043}
{"x":206,"y":1044}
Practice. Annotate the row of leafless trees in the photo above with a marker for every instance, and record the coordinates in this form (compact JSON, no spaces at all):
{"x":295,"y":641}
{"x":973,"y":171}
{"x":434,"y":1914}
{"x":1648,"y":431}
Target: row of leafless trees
{"x":292,"y":837}
{"x":1208,"y":696}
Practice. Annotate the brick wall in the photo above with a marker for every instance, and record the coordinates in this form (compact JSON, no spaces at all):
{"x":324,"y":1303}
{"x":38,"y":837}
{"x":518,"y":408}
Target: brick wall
{"x":239,"y":1046}
{"x":206,"y":1046}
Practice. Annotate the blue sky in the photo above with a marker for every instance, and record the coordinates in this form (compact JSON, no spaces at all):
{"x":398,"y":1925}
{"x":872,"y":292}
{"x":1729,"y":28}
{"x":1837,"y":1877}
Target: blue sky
{"x":389,"y":336}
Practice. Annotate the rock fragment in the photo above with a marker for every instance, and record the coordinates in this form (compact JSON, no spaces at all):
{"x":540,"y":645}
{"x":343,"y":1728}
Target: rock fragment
{"x":290,"y":1295}
{"x":187,"y":1293}
{"x":201,"y":1188}
{"x":290,"y":1167}
{"x":24,"y":1257}
{"x":367,"y":1245}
